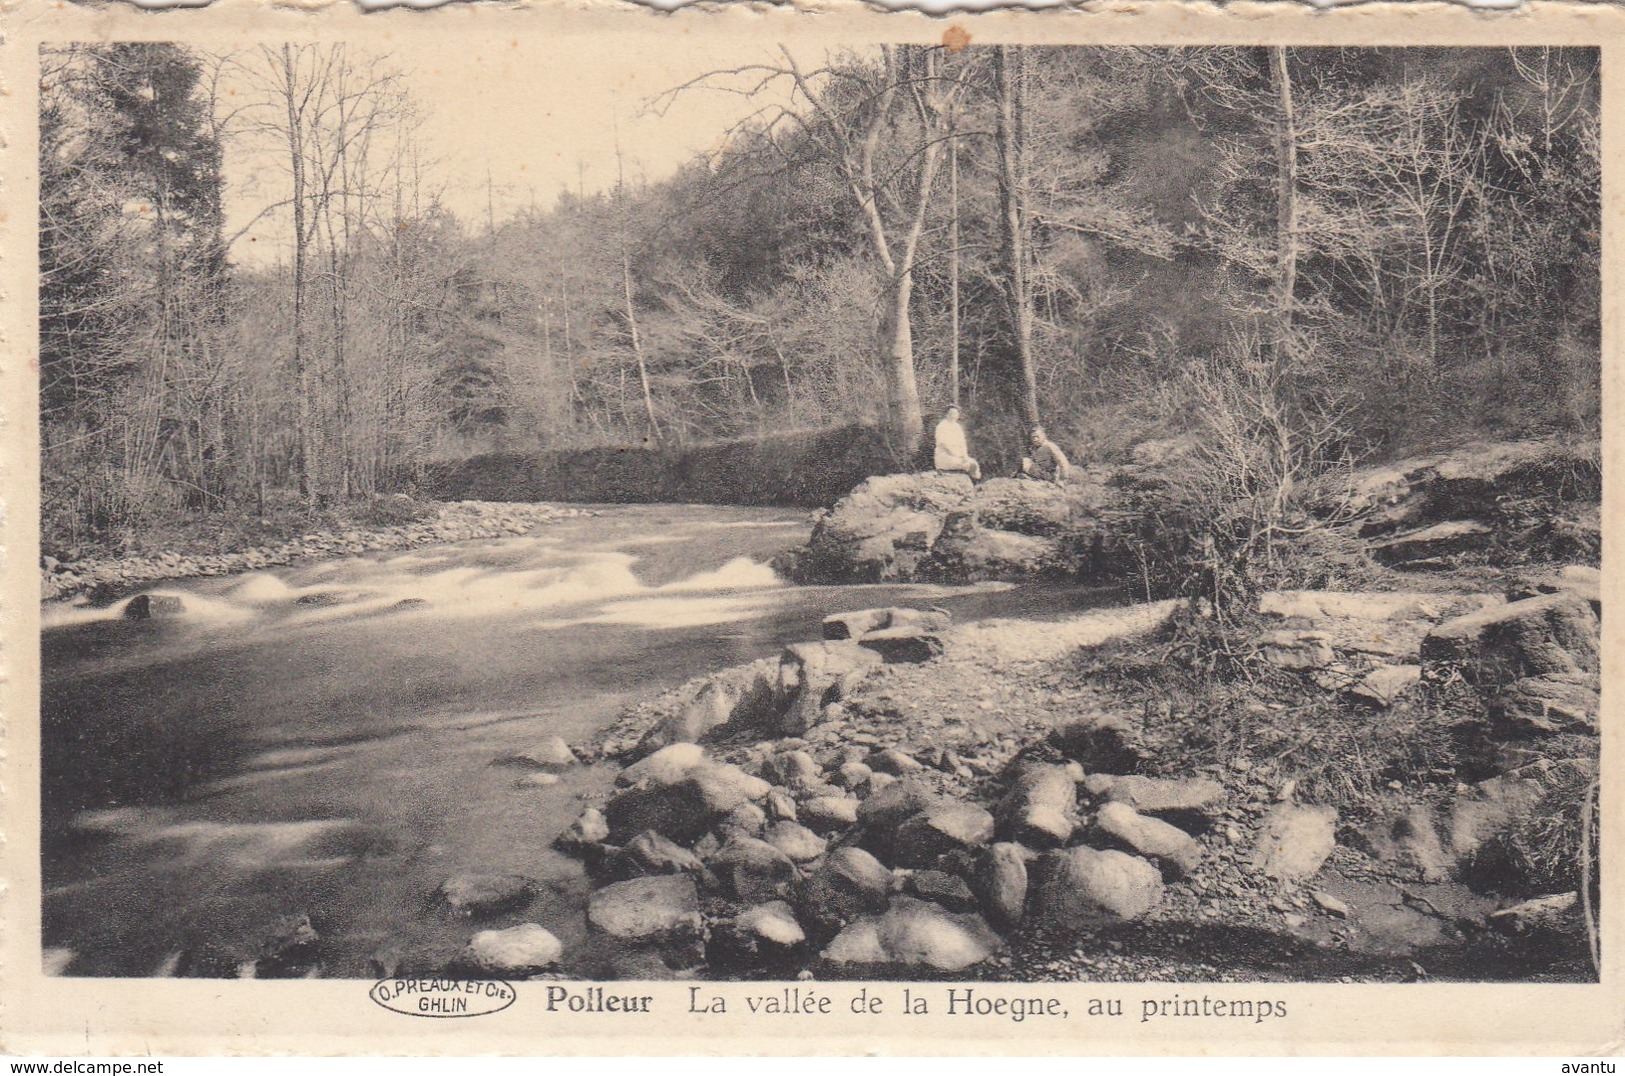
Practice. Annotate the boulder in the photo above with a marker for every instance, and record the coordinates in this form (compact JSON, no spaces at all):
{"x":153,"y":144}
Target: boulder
{"x":1187,"y":796}
{"x":1149,"y":837}
{"x":890,"y":808}
{"x":551,"y":755}
{"x":854,"y":777}
{"x":649,"y":853}
{"x":861,"y":622}
{"x":763,"y":934}
{"x":664,"y":767}
{"x":1083,"y":888}
{"x":1557,"y":912}
{"x":780,"y":806}
{"x":655,"y":910}
{"x":1295,"y":650}
{"x":486,"y":894}
{"x":940,"y":829}
{"x":512,"y":953}
{"x":1032,"y":508}
{"x":1294,"y":840}
{"x":858,"y":540}
{"x":1384,"y":685}
{"x":904,"y":646}
{"x":896,"y":763}
{"x":685,"y":809}
{"x":1553,"y":703}
{"x":588,"y":831}
{"x":795,"y":769}
{"x":154,"y":606}
{"x":796,"y":841}
{"x":746,"y":820}
{"x":742,"y":698}
{"x":1554,"y":633}
{"x":940,"y":887}
{"x":813,"y":675}
{"x":1000,"y":880}
{"x":846,"y":883}
{"x":969,"y":552}
{"x":913,"y":934}
{"x":1040,"y":808}
{"x":752,"y":871}
{"x":829,"y":814}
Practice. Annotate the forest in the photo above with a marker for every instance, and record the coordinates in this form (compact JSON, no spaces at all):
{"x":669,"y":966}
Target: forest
{"x":1372,"y":248}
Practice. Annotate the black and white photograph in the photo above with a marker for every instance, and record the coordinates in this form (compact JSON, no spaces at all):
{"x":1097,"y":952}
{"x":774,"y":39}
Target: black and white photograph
{"x":793,"y":511}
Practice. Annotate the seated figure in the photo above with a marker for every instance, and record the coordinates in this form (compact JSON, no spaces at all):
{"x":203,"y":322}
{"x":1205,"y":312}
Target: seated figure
{"x":1047,"y":462}
{"x":952,"y":453}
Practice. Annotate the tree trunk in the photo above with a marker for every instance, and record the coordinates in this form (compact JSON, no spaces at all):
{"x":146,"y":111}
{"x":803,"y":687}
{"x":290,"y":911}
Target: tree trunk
{"x":1286,"y":200}
{"x":309,"y":485}
{"x":1010,"y":74}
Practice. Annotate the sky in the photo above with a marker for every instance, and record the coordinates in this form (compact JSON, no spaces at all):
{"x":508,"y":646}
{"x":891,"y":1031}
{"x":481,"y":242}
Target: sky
{"x":534,"y":117}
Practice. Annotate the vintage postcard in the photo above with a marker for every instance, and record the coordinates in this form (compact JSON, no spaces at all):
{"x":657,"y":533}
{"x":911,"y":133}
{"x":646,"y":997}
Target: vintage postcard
{"x":574,"y":530}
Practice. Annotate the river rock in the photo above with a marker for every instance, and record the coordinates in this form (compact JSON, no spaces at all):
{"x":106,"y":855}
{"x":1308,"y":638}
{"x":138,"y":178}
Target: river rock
{"x":486,"y":894}
{"x":649,"y":853}
{"x":685,"y":809}
{"x":753,"y":871}
{"x":940,"y":829}
{"x":1153,"y":838}
{"x":656,"y":910}
{"x":795,"y":769}
{"x":1556,"y":912}
{"x":940,"y":887}
{"x":892,"y":762}
{"x":848,"y":882}
{"x":1159,"y":795}
{"x":1554,"y":633}
{"x":551,"y":755}
{"x":1000,"y":880}
{"x":664,"y":767}
{"x":1294,"y":840}
{"x":1040,"y":808}
{"x":762,"y":933}
{"x":854,"y":777}
{"x":796,"y":841}
{"x":746,"y":820}
{"x":154,"y":606}
{"x":829,"y":814}
{"x":1082,"y":888}
{"x":780,"y":806}
{"x":515,"y":952}
{"x":856,"y":624}
{"x":587,"y":831}
{"x":914,"y":933}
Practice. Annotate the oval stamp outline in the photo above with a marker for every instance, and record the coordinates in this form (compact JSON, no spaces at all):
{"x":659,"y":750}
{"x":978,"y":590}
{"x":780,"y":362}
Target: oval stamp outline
{"x":498,"y":991}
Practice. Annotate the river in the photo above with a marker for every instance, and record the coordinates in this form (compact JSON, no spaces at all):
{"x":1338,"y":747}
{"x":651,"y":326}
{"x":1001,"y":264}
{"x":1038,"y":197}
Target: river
{"x":319,"y":738}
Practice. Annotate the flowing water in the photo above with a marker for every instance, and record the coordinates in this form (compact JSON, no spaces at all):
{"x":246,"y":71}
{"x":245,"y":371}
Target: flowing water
{"x":319,"y":738}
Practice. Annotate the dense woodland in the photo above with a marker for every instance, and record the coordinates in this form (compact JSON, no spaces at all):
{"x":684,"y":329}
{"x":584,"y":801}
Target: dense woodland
{"x":1350,"y":251}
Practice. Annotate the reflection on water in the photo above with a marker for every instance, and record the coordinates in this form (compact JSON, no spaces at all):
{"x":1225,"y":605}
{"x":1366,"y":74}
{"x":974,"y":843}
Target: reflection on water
{"x":318,"y":738}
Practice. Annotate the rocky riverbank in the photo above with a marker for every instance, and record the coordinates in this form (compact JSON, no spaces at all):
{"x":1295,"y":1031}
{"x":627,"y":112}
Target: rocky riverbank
{"x":459,"y":521}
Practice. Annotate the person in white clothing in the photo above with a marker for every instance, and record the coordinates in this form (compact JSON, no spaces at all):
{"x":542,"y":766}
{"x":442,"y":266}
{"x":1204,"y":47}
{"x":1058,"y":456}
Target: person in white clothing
{"x":952,"y":452}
